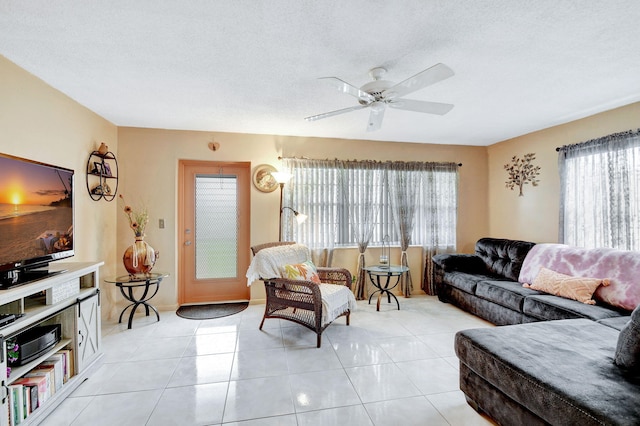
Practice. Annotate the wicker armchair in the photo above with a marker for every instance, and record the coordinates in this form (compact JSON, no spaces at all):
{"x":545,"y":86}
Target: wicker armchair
{"x":302,"y":301}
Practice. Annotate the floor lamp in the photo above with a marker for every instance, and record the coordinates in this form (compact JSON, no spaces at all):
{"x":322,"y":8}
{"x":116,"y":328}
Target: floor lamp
{"x":281,"y":178}
{"x":300,"y":217}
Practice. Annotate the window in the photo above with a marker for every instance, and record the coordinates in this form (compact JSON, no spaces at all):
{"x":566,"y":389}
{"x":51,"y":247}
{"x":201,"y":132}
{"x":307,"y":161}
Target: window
{"x":339,"y":196}
{"x":600,"y":192}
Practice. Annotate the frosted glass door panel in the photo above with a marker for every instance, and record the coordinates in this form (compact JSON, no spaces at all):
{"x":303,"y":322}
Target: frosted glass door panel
{"x":216,"y":226}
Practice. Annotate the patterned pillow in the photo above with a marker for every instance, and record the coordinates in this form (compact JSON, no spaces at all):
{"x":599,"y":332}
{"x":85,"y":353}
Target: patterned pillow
{"x":305,"y":271}
{"x":576,"y":288}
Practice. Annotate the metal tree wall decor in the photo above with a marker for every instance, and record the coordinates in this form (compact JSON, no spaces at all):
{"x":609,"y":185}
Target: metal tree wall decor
{"x":521,"y":171}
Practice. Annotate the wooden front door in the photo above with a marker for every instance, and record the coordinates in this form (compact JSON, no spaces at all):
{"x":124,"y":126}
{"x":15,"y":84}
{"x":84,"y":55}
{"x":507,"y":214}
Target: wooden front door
{"x":214,"y":221}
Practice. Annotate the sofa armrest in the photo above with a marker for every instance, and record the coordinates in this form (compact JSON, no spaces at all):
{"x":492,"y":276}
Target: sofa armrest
{"x":460,"y":262}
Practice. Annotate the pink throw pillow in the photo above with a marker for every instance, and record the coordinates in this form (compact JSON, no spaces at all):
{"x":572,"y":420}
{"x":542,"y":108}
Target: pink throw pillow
{"x":576,"y":288}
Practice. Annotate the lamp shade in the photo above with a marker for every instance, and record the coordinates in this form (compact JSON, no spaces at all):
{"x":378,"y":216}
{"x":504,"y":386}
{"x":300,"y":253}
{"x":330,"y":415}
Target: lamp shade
{"x":281,"y":177}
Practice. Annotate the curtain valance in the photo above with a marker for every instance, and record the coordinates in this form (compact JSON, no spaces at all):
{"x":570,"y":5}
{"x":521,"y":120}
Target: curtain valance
{"x":369,"y":164}
{"x":614,"y":142}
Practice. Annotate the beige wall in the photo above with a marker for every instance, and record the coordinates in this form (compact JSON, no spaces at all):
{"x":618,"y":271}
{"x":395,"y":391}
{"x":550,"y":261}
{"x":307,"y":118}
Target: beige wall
{"x":534,"y":217}
{"x":40,"y":123}
{"x":148,"y":168}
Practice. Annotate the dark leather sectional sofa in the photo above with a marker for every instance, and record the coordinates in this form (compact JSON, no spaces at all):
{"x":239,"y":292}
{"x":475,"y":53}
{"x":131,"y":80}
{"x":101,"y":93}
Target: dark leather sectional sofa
{"x":486,"y":284}
{"x":553,"y":361}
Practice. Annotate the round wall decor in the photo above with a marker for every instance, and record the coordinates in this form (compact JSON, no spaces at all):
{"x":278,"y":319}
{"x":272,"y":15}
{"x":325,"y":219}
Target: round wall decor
{"x":262,"y":178}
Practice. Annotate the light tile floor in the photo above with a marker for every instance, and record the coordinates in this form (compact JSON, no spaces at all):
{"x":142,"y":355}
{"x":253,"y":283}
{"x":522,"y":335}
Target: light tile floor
{"x":388,"y":368}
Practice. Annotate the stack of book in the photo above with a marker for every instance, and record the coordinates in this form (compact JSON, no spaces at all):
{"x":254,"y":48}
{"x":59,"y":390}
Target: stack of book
{"x":33,"y":389}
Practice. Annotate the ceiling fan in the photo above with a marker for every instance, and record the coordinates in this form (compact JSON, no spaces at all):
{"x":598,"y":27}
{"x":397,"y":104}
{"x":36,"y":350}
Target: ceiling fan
{"x":378,"y":94}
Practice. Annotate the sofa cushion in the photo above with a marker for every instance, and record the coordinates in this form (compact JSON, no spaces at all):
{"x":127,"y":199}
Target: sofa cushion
{"x":503,"y":257}
{"x":562,"y":371}
{"x":576,"y":288}
{"x":628,"y":348}
{"x":505,"y":293}
{"x":617,"y":323}
{"x":463,"y":281}
{"x":548,"y":307}
{"x":619,"y":266}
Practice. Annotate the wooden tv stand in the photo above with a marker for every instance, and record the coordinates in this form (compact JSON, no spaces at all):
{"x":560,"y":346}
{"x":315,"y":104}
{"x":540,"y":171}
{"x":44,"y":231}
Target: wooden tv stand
{"x":70,"y":299}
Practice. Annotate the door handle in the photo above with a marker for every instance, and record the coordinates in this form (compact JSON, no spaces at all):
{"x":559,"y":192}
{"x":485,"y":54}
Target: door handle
{"x":187,"y":243}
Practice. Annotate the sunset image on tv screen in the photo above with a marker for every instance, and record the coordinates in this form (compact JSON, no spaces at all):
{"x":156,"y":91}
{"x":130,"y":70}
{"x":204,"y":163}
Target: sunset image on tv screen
{"x":36,"y":215}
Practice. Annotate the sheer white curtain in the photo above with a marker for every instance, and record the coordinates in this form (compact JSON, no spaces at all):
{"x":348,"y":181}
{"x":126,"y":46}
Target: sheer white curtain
{"x":315,"y":191}
{"x":438,"y":197}
{"x":404,"y":181}
{"x":600,"y":192}
{"x":362,"y":192}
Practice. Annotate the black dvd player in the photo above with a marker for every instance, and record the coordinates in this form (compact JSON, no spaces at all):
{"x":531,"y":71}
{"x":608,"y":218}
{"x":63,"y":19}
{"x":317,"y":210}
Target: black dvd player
{"x":6,"y":319}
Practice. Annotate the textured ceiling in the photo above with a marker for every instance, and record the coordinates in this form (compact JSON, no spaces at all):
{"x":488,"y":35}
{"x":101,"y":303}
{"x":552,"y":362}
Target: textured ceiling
{"x":252,"y":66}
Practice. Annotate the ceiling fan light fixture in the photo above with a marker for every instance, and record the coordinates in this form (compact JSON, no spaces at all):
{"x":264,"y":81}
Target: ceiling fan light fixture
{"x":377,"y":106}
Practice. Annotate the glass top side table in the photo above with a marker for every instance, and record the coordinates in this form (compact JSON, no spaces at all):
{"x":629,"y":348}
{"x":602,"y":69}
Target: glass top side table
{"x":376,"y":273}
{"x":149,"y":283}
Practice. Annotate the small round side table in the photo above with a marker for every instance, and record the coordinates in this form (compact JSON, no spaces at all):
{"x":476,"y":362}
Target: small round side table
{"x":128,"y":283}
{"x":385,"y":271}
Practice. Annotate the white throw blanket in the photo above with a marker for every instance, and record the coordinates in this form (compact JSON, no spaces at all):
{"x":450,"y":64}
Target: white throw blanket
{"x":267,"y":262}
{"x":336,"y":299}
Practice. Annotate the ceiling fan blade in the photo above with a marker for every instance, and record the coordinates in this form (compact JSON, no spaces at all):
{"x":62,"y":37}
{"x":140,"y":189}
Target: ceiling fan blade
{"x":332,"y":113}
{"x":375,"y":119}
{"x":419,"y":81}
{"x":421,"y":106}
{"x":349,"y":89}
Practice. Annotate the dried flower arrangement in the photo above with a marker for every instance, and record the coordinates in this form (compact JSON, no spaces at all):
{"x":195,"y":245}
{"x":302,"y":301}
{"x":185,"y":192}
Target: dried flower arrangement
{"x":138,"y":220}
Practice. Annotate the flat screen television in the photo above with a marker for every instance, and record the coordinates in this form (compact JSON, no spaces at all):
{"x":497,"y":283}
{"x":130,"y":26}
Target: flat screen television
{"x":36,"y":218}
